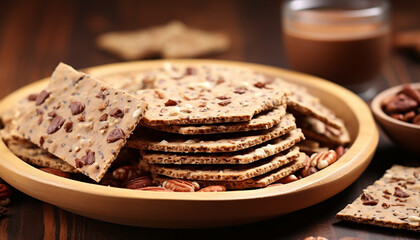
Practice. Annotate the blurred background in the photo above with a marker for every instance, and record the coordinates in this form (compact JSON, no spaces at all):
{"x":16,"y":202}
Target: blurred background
{"x":36,"y":35}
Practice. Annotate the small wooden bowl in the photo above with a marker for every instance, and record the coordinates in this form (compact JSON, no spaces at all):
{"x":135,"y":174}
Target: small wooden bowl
{"x":198,"y":210}
{"x":406,"y":135}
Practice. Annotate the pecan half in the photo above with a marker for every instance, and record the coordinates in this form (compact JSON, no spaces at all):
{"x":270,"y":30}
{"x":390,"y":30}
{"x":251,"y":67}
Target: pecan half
{"x":139,"y":182}
{"x":213,"y":188}
{"x":400,"y":103}
{"x":288,"y":179}
{"x":126,"y":173}
{"x":323,"y":159}
{"x":179,"y":185}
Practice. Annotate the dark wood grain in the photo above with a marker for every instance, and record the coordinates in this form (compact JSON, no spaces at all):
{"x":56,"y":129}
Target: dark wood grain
{"x":36,"y":35}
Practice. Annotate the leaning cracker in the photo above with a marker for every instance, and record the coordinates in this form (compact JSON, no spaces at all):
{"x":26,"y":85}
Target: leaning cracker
{"x":34,"y":155}
{"x":301,"y":101}
{"x":392,"y":201}
{"x":257,"y":182}
{"x":148,"y":139}
{"x":82,"y":120}
{"x":261,"y":121}
{"x":245,"y":156}
{"x":318,"y":130}
{"x":223,"y":172}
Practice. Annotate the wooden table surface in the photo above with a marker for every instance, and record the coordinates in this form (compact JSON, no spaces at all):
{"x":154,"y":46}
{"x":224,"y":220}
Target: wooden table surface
{"x":35,"y":36}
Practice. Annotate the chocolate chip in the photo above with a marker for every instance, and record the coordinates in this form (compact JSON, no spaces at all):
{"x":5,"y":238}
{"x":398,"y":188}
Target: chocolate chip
{"x":259,"y":85}
{"x":400,"y":193}
{"x":190,"y":71}
{"x":115,"y":135}
{"x":385,"y":205}
{"x":222,"y":97}
{"x":104,"y":117}
{"x":224,"y":103}
{"x":368,"y":200}
{"x":80,"y":79}
{"x":220,"y":80}
{"x":41,"y":97}
{"x":52,"y":114}
{"x":202,"y":104}
{"x":38,"y":111}
{"x":387,"y":192}
{"x":116,"y":113}
{"x":55,"y":124}
{"x":68,"y":126}
{"x":100,"y":95}
{"x":171,"y":102}
{"x":240,"y":90}
{"x":82,"y":118}
{"x":76,"y":107}
{"x":40,"y":119}
{"x":32,"y":97}
{"x":41,"y":141}
{"x":88,"y":159}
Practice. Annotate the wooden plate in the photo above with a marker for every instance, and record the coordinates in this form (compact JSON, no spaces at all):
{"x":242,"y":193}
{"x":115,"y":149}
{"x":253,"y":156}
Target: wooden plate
{"x":194,"y":210}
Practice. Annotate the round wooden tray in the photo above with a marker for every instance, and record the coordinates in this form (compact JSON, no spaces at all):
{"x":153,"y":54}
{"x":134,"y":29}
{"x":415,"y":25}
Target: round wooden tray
{"x":194,"y":210}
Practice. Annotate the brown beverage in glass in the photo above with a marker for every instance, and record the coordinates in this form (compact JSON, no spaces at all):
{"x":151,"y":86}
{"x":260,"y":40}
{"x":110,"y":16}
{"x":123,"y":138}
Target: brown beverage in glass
{"x":345,"y":42}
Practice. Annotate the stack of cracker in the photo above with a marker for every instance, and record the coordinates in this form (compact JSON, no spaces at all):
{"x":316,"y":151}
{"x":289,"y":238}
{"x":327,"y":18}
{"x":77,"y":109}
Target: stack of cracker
{"x":223,"y":126}
{"x":213,"y":124}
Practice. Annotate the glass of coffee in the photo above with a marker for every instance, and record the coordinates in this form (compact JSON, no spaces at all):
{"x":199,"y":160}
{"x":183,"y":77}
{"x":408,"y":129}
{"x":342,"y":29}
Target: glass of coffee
{"x":345,"y":42}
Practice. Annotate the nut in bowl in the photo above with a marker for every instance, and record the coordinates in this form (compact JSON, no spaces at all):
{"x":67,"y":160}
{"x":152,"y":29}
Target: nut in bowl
{"x":396,"y":111}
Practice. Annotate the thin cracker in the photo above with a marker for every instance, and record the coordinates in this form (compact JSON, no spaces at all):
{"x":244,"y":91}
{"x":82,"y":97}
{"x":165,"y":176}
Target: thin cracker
{"x":264,"y":120}
{"x":390,"y":211}
{"x":216,"y":172}
{"x":148,"y":139}
{"x":245,"y":156}
{"x":257,"y":182}
{"x":34,"y":155}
